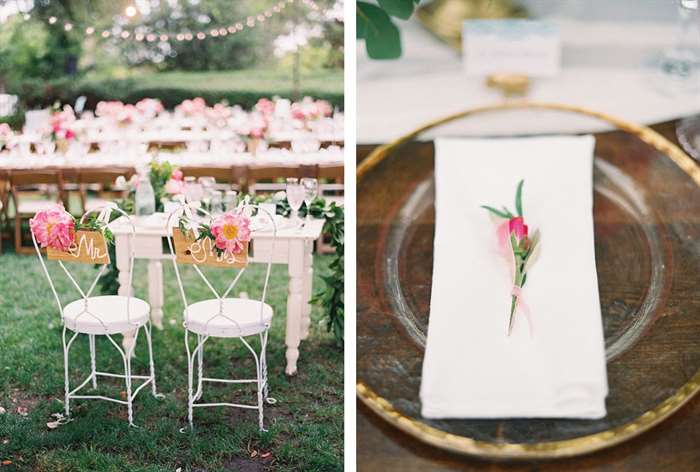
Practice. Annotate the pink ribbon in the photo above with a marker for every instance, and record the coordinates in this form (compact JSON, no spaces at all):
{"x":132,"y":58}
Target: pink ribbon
{"x":506,"y":250}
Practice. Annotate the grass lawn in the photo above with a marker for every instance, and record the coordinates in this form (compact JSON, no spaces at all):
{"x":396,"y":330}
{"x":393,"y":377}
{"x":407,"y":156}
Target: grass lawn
{"x":267,"y":81}
{"x":251,"y":80}
{"x":305,"y":426}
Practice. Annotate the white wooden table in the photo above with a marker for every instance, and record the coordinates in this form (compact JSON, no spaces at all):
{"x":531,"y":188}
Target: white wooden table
{"x":292,"y":247}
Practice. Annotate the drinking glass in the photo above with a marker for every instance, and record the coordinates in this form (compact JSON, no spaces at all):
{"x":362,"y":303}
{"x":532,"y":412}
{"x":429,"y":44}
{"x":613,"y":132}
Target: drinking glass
{"x":682,"y":61}
{"x":310,"y":186}
{"x":216,"y":202}
{"x":193,"y":190}
{"x":295,"y":197}
{"x":207,"y":182}
{"x":230,"y":200}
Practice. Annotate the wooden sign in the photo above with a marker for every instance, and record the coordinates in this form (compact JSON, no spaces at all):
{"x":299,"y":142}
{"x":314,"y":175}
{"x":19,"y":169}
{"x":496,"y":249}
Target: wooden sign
{"x":89,"y":247}
{"x":203,"y":252}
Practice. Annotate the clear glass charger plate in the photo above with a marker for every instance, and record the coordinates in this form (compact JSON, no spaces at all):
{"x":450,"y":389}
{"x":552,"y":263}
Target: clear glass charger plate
{"x":647,"y":243}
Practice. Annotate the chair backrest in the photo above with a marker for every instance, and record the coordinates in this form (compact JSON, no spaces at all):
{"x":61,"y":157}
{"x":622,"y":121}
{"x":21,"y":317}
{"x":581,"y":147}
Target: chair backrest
{"x":198,"y":215}
{"x":104,"y":215}
{"x":34,"y":180}
{"x":104,"y":176}
{"x":263,"y":179}
{"x":231,"y":176}
{"x":24,"y":178}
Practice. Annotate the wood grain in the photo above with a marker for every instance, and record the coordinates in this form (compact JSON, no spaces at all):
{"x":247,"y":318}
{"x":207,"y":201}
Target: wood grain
{"x":673,"y":445}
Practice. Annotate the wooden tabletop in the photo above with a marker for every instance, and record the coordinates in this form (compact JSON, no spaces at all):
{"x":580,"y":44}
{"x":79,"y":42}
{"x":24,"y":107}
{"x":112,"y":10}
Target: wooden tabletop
{"x":674,"y":445}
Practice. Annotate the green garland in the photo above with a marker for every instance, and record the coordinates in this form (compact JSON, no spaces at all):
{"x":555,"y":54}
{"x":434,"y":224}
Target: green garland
{"x":330,"y":297}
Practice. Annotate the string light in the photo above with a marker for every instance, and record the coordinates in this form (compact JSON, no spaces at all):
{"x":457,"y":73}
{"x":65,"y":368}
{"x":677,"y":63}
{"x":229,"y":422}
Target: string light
{"x":249,"y":22}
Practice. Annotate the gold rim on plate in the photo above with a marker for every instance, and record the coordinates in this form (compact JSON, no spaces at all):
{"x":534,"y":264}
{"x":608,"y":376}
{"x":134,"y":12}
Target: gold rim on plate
{"x":552,"y":449}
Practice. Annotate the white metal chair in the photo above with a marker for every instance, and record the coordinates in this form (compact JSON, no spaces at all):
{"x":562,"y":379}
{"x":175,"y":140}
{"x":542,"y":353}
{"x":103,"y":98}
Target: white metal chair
{"x":225,"y":317}
{"x":104,"y":316}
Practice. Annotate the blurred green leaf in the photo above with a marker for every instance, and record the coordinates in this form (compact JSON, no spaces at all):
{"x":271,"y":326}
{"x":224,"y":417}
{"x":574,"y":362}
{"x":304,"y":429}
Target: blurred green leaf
{"x":382,"y":37}
{"x":399,"y":8}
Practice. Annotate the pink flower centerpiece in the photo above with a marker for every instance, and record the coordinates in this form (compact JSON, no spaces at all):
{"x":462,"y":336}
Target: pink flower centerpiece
{"x":265,"y":106}
{"x":231,"y":231}
{"x":518,"y":248}
{"x":53,"y":228}
{"x":253,"y":129}
{"x":149,"y":107}
{"x":61,"y":123}
{"x":309,"y":109}
{"x":195,"y":107}
{"x":175,"y":185}
{"x":109,"y":109}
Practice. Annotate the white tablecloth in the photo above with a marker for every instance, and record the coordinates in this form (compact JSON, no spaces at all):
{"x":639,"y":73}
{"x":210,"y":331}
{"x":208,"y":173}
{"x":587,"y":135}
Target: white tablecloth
{"x":606,"y":66}
{"x":272,"y":157}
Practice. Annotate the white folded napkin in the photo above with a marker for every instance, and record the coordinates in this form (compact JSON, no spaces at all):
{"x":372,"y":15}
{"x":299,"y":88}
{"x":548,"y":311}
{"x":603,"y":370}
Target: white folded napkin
{"x":471,"y":368}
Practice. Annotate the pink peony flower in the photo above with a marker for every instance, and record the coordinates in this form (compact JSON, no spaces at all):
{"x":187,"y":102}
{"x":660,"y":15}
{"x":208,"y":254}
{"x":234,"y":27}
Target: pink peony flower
{"x":175,"y":186}
{"x":177,"y":174}
{"x":265,"y":106}
{"x":196,"y":106}
{"x":109,"y":109}
{"x":231,"y":230}
{"x":53,"y":227}
{"x":149,"y":107}
{"x":518,"y":227}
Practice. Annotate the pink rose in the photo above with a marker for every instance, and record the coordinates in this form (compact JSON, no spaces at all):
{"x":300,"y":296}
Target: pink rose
{"x":518,"y":227}
{"x":175,"y":187}
{"x":265,"y":106}
{"x":231,"y":231}
{"x":53,"y":227}
{"x":177,"y":174}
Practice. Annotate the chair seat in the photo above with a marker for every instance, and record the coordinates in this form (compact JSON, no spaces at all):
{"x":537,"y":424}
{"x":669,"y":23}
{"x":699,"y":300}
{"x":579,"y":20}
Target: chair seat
{"x":109,"y":312}
{"x":201,"y":317}
{"x":26,"y":207}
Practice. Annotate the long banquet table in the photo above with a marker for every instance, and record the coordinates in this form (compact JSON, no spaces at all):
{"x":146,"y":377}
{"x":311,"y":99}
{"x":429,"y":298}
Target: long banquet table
{"x":269,"y":158}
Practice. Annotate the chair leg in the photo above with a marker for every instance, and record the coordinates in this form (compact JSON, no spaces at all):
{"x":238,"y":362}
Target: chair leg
{"x":189,"y":379}
{"x":260,"y":394}
{"x":18,"y":233}
{"x":93,"y":362}
{"x":65,"y":372}
{"x":200,"y":367}
{"x":263,"y":362}
{"x":129,"y":400}
{"x":147,"y":328}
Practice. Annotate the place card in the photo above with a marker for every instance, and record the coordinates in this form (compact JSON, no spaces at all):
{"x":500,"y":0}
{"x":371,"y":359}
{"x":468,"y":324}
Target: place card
{"x":202,"y":252}
{"x":89,"y":247}
{"x":528,"y":47}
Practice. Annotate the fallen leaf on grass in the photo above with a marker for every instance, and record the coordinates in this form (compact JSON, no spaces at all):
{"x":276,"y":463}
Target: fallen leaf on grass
{"x":2,"y":410}
{"x":22,"y":411}
{"x":6,"y":462}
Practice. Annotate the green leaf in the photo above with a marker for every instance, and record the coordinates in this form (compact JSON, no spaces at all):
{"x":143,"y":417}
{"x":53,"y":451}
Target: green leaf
{"x":399,"y":8}
{"x":382,"y":38}
{"x":519,"y":198}
{"x":507,"y":211}
{"x":494,"y":211}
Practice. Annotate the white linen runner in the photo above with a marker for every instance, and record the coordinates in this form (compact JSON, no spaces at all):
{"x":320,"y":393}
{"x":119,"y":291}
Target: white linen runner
{"x":471,"y":368}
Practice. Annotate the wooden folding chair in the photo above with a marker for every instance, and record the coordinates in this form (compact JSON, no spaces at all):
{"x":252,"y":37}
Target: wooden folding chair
{"x":227,"y":178}
{"x":4,"y":221}
{"x":29,"y":189}
{"x":266,"y":180}
{"x":101,"y":181}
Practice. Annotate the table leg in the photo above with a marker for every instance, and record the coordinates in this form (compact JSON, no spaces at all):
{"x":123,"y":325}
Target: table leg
{"x":122,"y":253}
{"x":155,"y":291}
{"x":308,"y":288}
{"x":294,"y":304}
